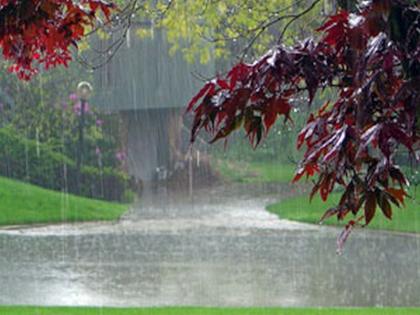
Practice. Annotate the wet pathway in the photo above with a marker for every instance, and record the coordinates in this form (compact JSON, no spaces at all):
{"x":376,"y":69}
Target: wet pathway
{"x":220,"y":248}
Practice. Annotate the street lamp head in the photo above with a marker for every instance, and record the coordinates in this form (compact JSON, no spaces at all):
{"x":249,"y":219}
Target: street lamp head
{"x":84,"y":90}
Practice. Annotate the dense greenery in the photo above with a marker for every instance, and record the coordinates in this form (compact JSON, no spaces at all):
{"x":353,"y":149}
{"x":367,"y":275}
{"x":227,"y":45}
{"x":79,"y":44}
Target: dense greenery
{"x":39,"y":124}
{"x":205,"y":311}
{"x":39,"y":164}
{"x":47,"y":110}
{"x":23,"y":203}
{"x":206,"y":30}
{"x":300,"y":209}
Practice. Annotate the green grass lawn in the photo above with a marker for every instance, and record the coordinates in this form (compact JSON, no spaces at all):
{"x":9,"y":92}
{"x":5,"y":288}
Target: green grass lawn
{"x":206,"y":311}
{"x":255,"y":172}
{"x":22,"y":203}
{"x":406,"y":219}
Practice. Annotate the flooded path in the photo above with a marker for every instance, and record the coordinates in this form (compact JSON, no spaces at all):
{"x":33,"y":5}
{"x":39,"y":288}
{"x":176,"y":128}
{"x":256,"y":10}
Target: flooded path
{"x":220,"y":248}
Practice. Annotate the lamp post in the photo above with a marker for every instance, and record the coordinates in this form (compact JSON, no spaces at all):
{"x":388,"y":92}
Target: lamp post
{"x":84,"y":91}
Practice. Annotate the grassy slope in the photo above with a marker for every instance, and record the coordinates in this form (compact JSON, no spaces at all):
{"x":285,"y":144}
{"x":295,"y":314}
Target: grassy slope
{"x":22,"y":203}
{"x":204,"y":311}
{"x":299,"y":209}
{"x":253,"y":172}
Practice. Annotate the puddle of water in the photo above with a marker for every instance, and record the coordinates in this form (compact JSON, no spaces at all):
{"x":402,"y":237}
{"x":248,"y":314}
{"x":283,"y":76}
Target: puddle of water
{"x":223,"y":249}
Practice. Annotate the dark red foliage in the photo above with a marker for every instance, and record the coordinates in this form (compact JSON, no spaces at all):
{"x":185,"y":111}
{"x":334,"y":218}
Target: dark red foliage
{"x":373,"y":59}
{"x":34,"y":32}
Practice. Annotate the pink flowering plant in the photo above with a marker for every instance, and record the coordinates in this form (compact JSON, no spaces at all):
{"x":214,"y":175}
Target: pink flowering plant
{"x":45,"y":114}
{"x":48,"y":117}
{"x":101,"y":145}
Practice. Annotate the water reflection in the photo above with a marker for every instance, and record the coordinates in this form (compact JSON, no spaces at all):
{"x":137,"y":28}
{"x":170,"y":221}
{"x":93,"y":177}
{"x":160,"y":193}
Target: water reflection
{"x":221,"y":249}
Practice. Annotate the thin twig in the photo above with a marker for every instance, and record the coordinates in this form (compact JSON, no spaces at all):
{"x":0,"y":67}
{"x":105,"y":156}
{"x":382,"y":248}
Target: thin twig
{"x":294,"y":18}
{"x":264,"y":27}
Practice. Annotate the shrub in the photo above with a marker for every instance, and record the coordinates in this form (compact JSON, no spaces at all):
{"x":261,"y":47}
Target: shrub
{"x":36,"y":163}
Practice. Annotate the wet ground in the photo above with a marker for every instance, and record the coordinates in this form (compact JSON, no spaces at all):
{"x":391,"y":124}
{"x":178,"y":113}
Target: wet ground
{"x":220,"y":248}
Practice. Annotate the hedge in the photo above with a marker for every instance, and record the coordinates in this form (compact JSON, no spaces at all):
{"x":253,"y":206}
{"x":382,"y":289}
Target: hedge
{"x":38,"y":164}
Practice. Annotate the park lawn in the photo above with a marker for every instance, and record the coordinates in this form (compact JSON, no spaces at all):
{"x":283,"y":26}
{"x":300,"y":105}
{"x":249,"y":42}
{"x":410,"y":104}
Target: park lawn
{"x":405,"y":219}
{"x":255,"y":172}
{"x":22,"y":203}
{"x":206,"y":311}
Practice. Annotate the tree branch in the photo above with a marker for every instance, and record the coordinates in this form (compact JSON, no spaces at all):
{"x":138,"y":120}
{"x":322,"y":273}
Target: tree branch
{"x":296,"y":17}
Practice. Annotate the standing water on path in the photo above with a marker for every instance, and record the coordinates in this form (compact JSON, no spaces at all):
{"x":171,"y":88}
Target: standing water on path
{"x":219,"y":249}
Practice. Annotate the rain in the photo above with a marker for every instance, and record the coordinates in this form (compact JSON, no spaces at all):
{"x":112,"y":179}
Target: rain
{"x":107,"y":203}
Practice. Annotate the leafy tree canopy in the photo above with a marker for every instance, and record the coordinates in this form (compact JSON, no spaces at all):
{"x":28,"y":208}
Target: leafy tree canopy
{"x":371,"y":56}
{"x":42,"y":31}
{"x":216,"y":29}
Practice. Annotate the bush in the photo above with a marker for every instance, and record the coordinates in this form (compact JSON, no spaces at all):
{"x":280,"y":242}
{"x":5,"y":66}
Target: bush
{"x":36,"y":163}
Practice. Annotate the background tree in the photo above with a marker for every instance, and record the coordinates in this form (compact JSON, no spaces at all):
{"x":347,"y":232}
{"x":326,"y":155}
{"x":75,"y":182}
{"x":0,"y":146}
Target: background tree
{"x":227,"y":29}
